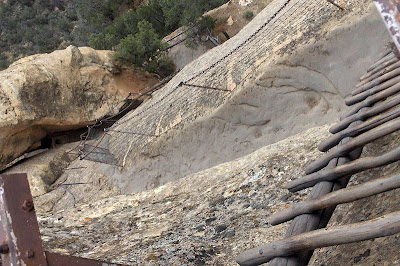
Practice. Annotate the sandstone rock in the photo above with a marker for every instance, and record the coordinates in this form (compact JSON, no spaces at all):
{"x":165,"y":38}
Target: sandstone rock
{"x":44,"y":169}
{"x":59,"y":91}
{"x":245,"y":2}
{"x":229,"y":22}
{"x":182,"y":55}
{"x":282,"y":86}
{"x":295,"y":81}
{"x":301,"y":83}
{"x":220,"y":228}
{"x":172,"y":225}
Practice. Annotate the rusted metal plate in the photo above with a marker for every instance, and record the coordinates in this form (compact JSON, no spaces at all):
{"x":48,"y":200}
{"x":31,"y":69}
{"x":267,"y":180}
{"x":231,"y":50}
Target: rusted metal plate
{"x":55,"y":259}
{"x":19,"y":228}
{"x":389,"y":10}
{"x":20,"y":242}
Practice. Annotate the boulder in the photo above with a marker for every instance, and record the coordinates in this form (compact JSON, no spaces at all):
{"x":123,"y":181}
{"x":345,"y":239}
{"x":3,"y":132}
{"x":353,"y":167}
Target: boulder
{"x":46,"y":93}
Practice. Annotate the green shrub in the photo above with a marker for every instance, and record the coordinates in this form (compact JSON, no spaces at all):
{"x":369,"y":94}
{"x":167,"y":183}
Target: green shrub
{"x":206,"y":22}
{"x":161,"y":65}
{"x":102,"y":41}
{"x":3,"y":62}
{"x":36,"y":26}
{"x":248,"y":14}
{"x":144,"y":49}
{"x":203,"y":24}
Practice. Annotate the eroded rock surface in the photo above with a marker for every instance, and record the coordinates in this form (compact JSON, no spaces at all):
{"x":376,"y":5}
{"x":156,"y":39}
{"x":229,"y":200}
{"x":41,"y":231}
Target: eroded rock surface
{"x":282,"y":84}
{"x":43,"y":170}
{"x":63,"y":90}
{"x":210,"y":217}
{"x":295,"y":83}
{"x":205,"y":218}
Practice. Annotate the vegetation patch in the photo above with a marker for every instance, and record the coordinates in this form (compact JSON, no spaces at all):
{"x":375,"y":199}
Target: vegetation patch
{"x":131,"y":28}
{"x":248,"y":14}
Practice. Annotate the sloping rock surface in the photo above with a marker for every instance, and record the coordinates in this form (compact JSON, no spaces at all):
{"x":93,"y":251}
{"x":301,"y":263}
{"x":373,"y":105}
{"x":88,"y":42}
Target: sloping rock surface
{"x":205,"y":218}
{"x":285,"y":77}
{"x":288,"y":79}
{"x":283,"y":83}
{"x":44,"y":169}
{"x":211,"y":216}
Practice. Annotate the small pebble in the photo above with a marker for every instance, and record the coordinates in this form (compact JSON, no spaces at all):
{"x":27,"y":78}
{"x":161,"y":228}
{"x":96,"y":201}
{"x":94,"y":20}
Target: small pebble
{"x":210,"y":220}
{"x":200,"y":228}
{"x":220,"y":228}
{"x":213,"y":210}
{"x":245,"y":206}
{"x":229,"y":233}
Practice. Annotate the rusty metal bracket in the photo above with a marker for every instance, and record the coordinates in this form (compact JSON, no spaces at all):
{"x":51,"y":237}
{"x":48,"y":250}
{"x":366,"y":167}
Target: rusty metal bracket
{"x":390,"y":13}
{"x":20,"y":242}
{"x":19,"y":228}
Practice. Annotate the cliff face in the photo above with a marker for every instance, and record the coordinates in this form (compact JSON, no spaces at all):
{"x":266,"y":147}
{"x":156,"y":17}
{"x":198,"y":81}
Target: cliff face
{"x":282,"y":84}
{"x":285,"y":78}
{"x":208,"y":166}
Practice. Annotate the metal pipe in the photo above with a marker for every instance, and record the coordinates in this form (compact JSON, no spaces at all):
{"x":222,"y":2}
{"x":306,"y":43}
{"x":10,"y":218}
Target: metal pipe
{"x":203,"y":87}
{"x":390,"y":14}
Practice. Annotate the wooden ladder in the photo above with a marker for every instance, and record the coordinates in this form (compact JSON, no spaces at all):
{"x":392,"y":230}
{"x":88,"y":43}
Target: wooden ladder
{"x":376,"y":113}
